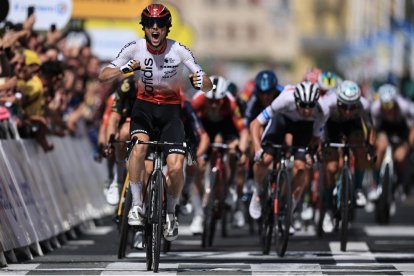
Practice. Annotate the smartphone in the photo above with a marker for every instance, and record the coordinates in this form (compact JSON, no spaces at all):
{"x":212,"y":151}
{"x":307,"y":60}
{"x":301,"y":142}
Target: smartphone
{"x":30,"y":10}
{"x":53,"y":28}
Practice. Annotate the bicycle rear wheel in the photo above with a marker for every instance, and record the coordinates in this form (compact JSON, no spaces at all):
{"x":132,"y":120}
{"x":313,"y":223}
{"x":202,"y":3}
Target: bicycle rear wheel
{"x":345,"y":191}
{"x":282,"y":211}
{"x":156,"y":217}
{"x":209,"y":223}
{"x":382,"y":210}
{"x":123,"y":237}
{"x":268,"y":215}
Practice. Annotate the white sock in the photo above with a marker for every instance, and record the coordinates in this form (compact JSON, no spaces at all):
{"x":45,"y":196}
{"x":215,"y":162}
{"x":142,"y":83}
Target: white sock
{"x":136,"y":189}
{"x":196,"y":200}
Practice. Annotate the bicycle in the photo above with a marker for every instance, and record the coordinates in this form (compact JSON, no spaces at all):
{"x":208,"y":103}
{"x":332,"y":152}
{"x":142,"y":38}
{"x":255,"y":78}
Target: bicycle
{"x":277,"y":201}
{"x":216,"y":193}
{"x":386,"y":184}
{"x":345,"y":190}
{"x":124,"y":205}
{"x":155,"y":197}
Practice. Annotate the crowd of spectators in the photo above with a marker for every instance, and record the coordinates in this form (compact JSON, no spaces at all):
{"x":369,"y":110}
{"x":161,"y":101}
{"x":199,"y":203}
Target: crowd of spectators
{"x":47,"y":85}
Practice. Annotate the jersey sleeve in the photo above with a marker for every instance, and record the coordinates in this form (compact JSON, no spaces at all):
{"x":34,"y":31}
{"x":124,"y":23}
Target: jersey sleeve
{"x":198,"y":101}
{"x":193,"y":118}
{"x":125,"y":54}
{"x":236,"y":116}
{"x":279,"y":104}
{"x":187,"y":58}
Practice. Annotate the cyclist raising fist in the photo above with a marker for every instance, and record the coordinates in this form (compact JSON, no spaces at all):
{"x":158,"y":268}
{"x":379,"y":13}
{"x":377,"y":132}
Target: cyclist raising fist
{"x":160,"y":62}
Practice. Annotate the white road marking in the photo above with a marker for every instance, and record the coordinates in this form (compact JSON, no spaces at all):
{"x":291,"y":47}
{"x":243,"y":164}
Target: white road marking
{"x":354,"y":250}
{"x":81,"y":242}
{"x":390,"y":231}
{"x":100,"y":230}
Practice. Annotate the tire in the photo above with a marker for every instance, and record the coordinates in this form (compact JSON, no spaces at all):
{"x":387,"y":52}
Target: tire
{"x":382,"y":210}
{"x":124,"y":229}
{"x":148,"y":227}
{"x":267,"y":216}
{"x":156,"y":218}
{"x":282,"y":212}
{"x":345,"y":206}
{"x":209,"y":223}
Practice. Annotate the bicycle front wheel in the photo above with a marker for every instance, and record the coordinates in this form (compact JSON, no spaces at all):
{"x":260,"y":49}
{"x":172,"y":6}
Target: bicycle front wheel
{"x":209,"y":223}
{"x":282,"y":211}
{"x":268,"y":215}
{"x":123,"y":237}
{"x":156,"y":217}
{"x":345,"y":191}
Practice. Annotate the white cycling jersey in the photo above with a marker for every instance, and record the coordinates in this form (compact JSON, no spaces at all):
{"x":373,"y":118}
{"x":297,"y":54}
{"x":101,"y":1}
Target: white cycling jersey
{"x":161,"y":77}
{"x":285,"y":104}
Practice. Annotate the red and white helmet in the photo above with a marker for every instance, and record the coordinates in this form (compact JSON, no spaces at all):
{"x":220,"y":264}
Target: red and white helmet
{"x":156,"y":13}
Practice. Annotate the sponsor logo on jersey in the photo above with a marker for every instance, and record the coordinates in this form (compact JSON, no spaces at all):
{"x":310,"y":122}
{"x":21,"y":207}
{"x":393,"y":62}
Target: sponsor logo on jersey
{"x":148,"y":76}
{"x":126,"y":46}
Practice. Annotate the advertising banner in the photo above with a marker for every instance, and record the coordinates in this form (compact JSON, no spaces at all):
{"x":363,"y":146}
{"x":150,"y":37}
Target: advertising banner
{"x":47,"y":12}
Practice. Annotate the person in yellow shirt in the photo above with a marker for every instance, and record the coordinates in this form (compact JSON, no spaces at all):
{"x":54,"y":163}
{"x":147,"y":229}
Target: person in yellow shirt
{"x":33,"y":101}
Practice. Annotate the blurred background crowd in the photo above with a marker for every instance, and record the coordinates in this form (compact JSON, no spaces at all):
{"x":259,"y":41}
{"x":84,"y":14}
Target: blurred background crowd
{"x":52,"y":51}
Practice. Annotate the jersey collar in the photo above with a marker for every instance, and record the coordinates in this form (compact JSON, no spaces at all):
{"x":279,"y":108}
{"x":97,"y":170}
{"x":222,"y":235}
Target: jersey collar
{"x":157,"y":52}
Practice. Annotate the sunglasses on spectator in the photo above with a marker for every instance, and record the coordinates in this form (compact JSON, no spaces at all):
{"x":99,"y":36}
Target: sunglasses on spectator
{"x":161,"y":23}
{"x":306,"y":105}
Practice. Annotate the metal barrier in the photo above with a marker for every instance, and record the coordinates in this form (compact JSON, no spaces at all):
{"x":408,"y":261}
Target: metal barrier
{"x":43,"y":195}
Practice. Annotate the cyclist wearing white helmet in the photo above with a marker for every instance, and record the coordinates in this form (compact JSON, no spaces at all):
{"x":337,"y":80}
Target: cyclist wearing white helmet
{"x":222,"y":120}
{"x":297,"y":111}
{"x":349,"y":119}
{"x":393,"y":118}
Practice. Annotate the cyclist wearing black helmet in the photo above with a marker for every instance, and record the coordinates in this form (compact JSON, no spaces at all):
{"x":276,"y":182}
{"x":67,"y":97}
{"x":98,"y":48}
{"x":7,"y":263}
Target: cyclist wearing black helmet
{"x":266,"y":90}
{"x":160,"y":62}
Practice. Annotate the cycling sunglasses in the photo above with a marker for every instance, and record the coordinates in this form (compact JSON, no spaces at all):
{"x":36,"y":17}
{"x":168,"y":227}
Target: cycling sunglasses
{"x":306,"y":105}
{"x":348,"y":107}
{"x":161,"y":22}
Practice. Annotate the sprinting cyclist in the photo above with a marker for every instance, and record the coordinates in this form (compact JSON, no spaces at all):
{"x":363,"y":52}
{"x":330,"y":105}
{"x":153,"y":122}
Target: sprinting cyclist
{"x":393,"y":120}
{"x":349,"y":119}
{"x":158,"y":106}
{"x":266,"y":89}
{"x":220,"y":115}
{"x":118,"y":125}
{"x":297,"y":111}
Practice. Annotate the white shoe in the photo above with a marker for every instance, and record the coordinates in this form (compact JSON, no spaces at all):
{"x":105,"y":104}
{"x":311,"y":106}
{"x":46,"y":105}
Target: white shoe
{"x":196,"y":226}
{"x":238,"y":219}
{"x":171,"y":227}
{"x":136,"y":216}
{"x":112,"y":195}
{"x":138,"y":240}
{"x":307,"y":212}
{"x":186,"y":209}
{"x":328,"y":223}
{"x":255,"y":207}
{"x":360,"y":200}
